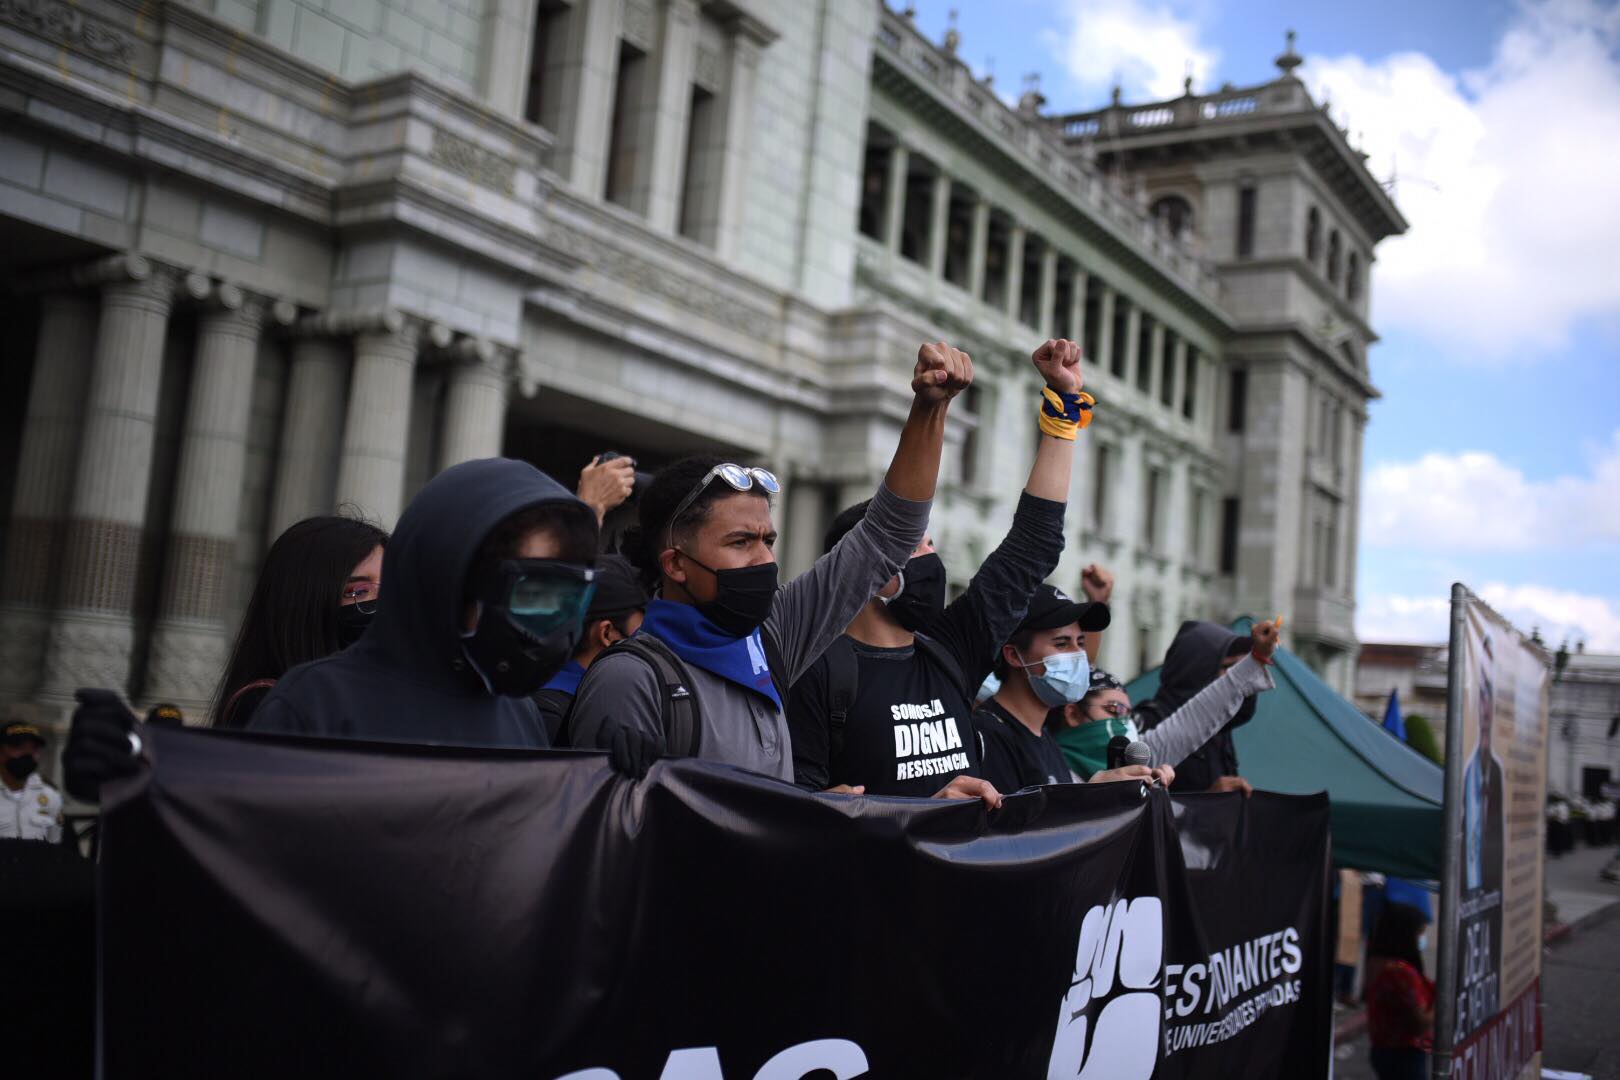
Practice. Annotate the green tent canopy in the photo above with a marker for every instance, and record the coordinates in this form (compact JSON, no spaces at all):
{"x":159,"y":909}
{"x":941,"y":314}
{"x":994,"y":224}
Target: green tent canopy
{"x":1386,"y":797}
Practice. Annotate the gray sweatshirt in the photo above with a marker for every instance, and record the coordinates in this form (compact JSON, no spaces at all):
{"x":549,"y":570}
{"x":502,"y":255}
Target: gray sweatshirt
{"x":739,"y":727}
{"x":1196,"y":722}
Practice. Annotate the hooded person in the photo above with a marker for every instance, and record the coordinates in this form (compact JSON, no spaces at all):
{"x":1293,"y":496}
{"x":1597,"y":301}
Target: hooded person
{"x":1085,"y":728}
{"x":1201,"y":653}
{"x":490,"y":572}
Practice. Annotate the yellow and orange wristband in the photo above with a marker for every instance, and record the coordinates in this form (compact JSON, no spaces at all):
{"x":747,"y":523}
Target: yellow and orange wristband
{"x":1062,"y":415}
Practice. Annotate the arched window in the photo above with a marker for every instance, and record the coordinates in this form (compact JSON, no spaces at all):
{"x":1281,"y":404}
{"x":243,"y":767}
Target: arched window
{"x":1313,"y":235}
{"x":1352,"y":277}
{"x":1175,"y":212}
{"x":1333,"y":257}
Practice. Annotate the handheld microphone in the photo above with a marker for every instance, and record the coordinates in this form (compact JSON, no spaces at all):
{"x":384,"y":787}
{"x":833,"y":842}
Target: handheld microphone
{"x":1138,"y":753}
{"x":1116,"y":750}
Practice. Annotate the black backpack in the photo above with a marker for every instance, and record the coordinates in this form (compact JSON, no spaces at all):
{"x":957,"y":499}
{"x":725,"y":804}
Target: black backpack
{"x":844,"y":683}
{"x":681,"y":708}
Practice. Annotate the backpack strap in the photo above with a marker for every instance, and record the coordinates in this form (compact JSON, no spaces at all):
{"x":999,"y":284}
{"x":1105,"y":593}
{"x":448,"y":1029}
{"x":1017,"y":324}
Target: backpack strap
{"x":228,"y":710}
{"x":843,"y":683}
{"x":680,"y":701}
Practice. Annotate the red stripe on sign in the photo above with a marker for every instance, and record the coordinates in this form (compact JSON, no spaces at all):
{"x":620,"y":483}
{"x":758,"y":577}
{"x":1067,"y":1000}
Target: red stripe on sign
{"x":1505,"y":1044}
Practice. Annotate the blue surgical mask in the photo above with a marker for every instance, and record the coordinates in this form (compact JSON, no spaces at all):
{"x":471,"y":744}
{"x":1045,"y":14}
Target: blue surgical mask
{"x":988,"y":689}
{"x":1067,"y":678}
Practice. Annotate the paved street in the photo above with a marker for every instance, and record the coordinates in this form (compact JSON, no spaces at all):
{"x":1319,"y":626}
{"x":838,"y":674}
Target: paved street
{"x":1580,"y":978}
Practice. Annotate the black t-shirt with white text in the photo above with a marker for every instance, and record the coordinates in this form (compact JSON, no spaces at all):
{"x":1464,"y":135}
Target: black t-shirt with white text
{"x":909,"y":730}
{"x":1014,"y":756}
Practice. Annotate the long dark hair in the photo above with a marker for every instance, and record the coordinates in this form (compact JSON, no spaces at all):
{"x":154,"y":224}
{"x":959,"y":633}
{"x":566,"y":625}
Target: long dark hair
{"x":292,"y":616}
{"x":1396,"y":935}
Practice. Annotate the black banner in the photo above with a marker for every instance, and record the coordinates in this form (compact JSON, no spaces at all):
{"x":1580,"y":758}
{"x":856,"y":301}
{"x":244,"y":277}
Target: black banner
{"x":272,"y":908}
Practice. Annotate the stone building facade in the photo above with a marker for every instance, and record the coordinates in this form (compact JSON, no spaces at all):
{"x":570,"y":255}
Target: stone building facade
{"x":270,"y":257}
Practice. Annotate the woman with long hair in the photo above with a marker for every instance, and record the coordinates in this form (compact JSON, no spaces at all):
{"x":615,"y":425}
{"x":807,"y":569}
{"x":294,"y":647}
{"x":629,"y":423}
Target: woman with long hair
{"x":1400,"y":998}
{"x":315,"y":595}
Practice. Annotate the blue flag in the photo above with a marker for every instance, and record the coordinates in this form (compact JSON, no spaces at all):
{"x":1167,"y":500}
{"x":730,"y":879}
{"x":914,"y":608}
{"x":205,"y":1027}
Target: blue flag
{"x":1392,"y":716}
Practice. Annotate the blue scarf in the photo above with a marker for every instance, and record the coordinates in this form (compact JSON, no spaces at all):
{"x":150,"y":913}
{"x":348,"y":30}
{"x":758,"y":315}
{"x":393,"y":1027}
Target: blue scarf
{"x":702,"y":644}
{"x":567,"y":680}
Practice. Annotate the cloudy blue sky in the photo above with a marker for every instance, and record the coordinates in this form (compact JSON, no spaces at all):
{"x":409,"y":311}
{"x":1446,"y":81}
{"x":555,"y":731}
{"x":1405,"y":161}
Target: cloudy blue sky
{"x":1494,"y":454}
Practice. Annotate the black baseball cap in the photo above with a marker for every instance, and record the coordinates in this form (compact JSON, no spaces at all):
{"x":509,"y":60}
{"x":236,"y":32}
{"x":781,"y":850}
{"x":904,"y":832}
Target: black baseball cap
{"x":1051,"y":607}
{"x":618,"y":589}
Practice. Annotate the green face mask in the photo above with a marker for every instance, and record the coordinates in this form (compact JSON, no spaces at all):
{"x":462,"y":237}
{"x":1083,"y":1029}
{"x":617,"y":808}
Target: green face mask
{"x":1085,"y":748}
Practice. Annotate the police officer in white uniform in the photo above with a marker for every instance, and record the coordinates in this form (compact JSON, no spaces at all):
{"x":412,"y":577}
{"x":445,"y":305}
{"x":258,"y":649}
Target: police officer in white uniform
{"x":31,"y":809}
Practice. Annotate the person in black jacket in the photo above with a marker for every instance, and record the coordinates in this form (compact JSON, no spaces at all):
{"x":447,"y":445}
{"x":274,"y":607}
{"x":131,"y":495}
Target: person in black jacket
{"x":1201,"y":653}
{"x":489,"y":575}
{"x":616,"y":612}
{"x":887,"y":709}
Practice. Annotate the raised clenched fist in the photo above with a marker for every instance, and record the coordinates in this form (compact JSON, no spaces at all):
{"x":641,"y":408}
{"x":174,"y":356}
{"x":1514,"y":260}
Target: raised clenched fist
{"x":941,"y":373}
{"x":1266,"y":635}
{"x":1097,"y":583}
{"x":1059,"y":364}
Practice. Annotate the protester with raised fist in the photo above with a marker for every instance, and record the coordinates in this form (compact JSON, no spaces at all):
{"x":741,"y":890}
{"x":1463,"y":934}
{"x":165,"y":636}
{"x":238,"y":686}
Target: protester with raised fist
{"x":889,"y":705}
{"x":723,"y":639}
{"x":1085,"y":728}
{"x":1201,"y":653}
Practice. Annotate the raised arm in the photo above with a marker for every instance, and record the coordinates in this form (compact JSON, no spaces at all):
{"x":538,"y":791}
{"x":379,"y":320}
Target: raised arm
{"x":815,"y":607}
{"x":976,"y":624}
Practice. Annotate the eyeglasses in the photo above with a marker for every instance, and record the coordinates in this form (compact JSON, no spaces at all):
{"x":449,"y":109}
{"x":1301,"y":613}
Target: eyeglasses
{"x":1115,"y":709}
{"x":740,"y":477}
{"x":363,"y":595}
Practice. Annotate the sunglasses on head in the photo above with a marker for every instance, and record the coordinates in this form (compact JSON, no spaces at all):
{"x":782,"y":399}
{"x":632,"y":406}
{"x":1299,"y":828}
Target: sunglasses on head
{"x":741,"y":478}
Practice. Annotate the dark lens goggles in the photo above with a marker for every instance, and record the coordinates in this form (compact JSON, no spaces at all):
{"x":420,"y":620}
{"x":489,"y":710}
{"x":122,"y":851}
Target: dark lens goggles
{"x":542,"y":596}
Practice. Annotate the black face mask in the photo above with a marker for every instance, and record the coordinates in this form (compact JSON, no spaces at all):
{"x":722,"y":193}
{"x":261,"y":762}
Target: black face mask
{"x":922,"y":593}
{"x":22,"y":768}
{"x":742,"y":597}
{"x":531,"y":619}
{"x":351,"y":623}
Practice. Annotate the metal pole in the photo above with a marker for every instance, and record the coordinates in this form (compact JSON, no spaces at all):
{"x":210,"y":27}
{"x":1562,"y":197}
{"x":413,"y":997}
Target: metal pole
{"x":1445,"y":1003}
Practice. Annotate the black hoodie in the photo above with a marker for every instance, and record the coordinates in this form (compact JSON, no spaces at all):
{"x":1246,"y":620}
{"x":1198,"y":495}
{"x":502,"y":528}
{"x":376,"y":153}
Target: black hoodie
{"x":406,"y":680}
{"x":1192,"y":663}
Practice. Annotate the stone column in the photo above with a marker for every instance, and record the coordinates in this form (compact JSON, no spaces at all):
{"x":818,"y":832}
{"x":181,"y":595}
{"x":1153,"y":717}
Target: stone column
{"x":508,"y":41}
{"x":586,"y":89}
{"x":939,"y":225}
{"x":1105,"y":330}
{"x":1155,"y":360}
{"x":371,"y":464}
{"x":668,"y":117}
{"x":1077,"y":314}
{"x":311,"y":428}
{"x":1015,"y":270}
{"x":1133,"y":345}
{"x":804,"y":513}
{"x":45,"y":467}
{"x":1178,"y":367}
{"x":475,"y":403}
{"x":190,"y":640}
{"x":92,"y":629}
{"x":894,"y":197}
{"x":741,"y":76}
{"x":979,"y":249}
{"x":1049,"y":262}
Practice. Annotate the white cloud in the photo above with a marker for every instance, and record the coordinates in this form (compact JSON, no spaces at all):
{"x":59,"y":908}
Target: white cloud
{"x":1506,"y":174}
{"x":1474,"y":501}
{"x":1146,"y":47}
{"x":1560,"y":615}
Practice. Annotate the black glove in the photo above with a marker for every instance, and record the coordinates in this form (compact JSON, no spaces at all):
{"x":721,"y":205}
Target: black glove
{"x":633,"y":751}
{"x":98,"y":746}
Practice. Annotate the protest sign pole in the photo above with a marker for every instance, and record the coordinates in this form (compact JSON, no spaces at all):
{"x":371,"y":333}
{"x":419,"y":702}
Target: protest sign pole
{"x":1445,"y":1004}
